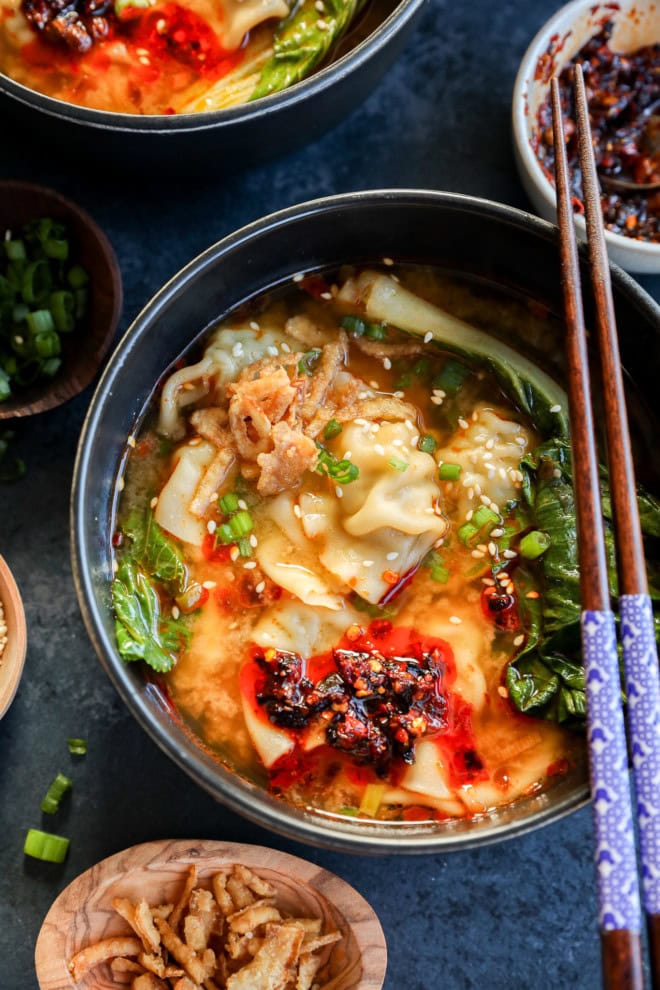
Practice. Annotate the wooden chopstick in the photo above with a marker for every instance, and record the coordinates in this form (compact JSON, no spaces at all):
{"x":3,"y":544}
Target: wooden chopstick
{"x":638,"y":635}
{"x":618,"y":892}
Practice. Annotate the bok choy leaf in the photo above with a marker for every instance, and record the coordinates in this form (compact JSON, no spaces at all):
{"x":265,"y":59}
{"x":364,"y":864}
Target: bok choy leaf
{"x":143,"y":633}
{"x":302,"y":40}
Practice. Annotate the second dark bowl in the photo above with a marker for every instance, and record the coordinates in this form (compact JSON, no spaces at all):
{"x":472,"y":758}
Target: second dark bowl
{"x":456,"y":233}
{"x":220,"y":140}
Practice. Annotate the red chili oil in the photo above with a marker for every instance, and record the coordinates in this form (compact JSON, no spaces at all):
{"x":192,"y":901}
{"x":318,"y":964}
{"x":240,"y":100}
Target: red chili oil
{"x":622,"y":91}
{"x":301,"y":682}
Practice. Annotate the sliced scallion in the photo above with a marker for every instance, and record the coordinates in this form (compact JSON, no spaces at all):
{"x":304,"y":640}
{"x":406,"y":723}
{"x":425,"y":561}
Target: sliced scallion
{"x":241,"y":524}
{"x":244,"y":547}
{"x":376,"y":331}
{"x":427,"y":443}
{"x":225,"y":534}
{"x":63,"y":308}
{"x":45,"y":846}
{"x":308,"y":361}
{"x":398,"y":464}
{"x":353,"y":324}
{"x":228,"y":503}
{"x":534,"y":544}
{"x":77,"y":747}
{"x":332,"y":429}
{"x":371,"y":799}
{"x":15,"y":250}
{"x":55,"y":793}
{"x":467,"y":532}
{"x":484,"y":516}
{"x":451,"y":378}
{"x":449,"y":472}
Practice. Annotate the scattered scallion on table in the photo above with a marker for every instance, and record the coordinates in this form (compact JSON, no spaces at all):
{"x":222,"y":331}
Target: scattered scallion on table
{"x":55,"y":793}
{"x":45,"y":846}
{"x":77,"y":747}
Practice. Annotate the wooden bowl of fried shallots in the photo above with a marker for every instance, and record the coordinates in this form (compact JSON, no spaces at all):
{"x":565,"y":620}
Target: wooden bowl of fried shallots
{"x":188,"y":914}
{"x":13,"y":637}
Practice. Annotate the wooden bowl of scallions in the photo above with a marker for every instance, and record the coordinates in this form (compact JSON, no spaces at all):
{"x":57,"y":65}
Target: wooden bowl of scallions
{"x":60,"y":299}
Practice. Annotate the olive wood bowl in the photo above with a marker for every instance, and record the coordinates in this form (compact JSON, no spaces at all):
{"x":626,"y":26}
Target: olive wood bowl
{"x":82,"y":914}
{"x":84,"y":349}
{"x":13,"y":656}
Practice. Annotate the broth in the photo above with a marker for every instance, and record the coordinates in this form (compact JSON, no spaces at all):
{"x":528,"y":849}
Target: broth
{"x":357,"y":558}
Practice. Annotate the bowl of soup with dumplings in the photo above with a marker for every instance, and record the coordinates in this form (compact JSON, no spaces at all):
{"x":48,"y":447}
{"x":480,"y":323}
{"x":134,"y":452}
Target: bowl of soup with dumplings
{"x":190,"y":86}
{"x":323,"y":522}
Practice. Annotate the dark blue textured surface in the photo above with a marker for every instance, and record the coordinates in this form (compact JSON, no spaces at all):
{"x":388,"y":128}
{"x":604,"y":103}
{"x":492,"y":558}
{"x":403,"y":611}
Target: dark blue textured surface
{"x":517,"y":916}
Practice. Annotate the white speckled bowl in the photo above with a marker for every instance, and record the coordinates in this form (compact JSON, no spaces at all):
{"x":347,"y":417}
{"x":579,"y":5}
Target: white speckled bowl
{"x":637,"y":23}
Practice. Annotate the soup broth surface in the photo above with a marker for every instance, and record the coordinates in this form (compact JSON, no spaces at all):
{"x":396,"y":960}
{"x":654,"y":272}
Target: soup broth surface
{"x":346,"y":503}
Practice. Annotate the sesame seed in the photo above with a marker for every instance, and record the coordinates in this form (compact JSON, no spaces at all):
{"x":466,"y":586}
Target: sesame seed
{"x":495,"y":507}
{"x":115,"y":566}
{"x":519,"y":640}
{"x":430,"y":511}
{"x":367,"y":563}
{"x":374,"y":384}
{"x":521,"y":441}
{"x":363,"y":395}
{"x":144,"y":59}
{"x":470,"y":493}
{"x":208,"y":584}
{"x":490,"y":473}
{"x":242,"y":504}
{"x":392,"y":555}
{"x":409,"y":425}
{"x":175,"y":612}
{"x":510,"y":554}
{"x":250,"y":566}
{"x":339,"y":491}
{"x":501,"y":472}
{"x":234,"y":553}
{"x":233,"y":625}
{"x":477,"y":489}
{"x":347,"y":454}
{"x":532,"y":594}
{"x":237,"y":349}
{"x":161,"y":25}
{"x":387,"y":364}
{"x":254,"y":325}
{"x":428,"y":337}
{"x":214,"y":496}
{"x":469,"y":514}
{"x":483,"y":547}
{"x":360,"y":422}
{"x":502,"y":691}
{"x":555,"y":409}
{"x":556,"y":473}
{"x":437,"y":400}
{"x":260,"y":587}
{"x":475,"y":416}
{"x":322,"y":25}
{"x":440,"y":392}
{"x":374,"y":428}
{"x":490,"y":444}
{"x":477,"y":554}
{"x":285,"y":347}
{"x":492,"y":548}
{"x":388,"y":261}
{"x":497,"y":532}
{"x":488,"y":581}
{"x":154,"y":502}
{"x":487,"y":456}
{"x":397,"y":395}
{"x":379,"y":449}
{"x":326,"y":295}
{"x":398,"y":442}
{"x":211,"y":525}
{"x":120,"y":485}
{"x":463,"y":423}
{"x":272,"y":350}
{"x":484,"y":499}
{"x":254,"y":542}
{"x":467,"y":482}
{"x":472,"y":458}
{"x":455,"y":620}
{"x":298,"y":277}
{"x":131,"y":441}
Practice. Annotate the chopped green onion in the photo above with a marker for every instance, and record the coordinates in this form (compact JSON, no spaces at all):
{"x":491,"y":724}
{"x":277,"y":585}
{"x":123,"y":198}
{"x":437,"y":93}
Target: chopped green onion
{"x":45,"y":846}
{"x":438,"y":570}
{"x":77,"y":747}
{"x":77,"y":277}
{"x":450,"y":379}
{"x":534,"y":544}
{"x":19,"y":312}
{"x":229,"y":503}
{"x":244,"y":547}
{"x":47,"y":345}
{"x":449,"y":472}
{"x":308,"y":361}
{"x":343,"y":471}
{"x":376,"y":331}
{"x":467,"y":533}
{"x":349,"y":812}
{"x":225,"y":534}
{"x":427,"y":443}
{"x":55,"y":793}
{"x":63,"y":308}
{"x":353,"y":324}
{"x":371,"y":799}
{"x":15,"y":250}
{"x":56,"y":248}
{"x":36,"y":282}
{"x":50,"y":367}
{"x":40,"y":321}
{"x":332,"y":429}
{"x":398,"y":464}
{"x":484,"y":516}
{"x":123,"y":6}
{"x":241,"y":524}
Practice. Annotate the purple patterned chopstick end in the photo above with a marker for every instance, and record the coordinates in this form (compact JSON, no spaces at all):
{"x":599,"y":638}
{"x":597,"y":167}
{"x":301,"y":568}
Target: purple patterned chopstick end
{"x":643,"y":691}
{"x":618,"y":892}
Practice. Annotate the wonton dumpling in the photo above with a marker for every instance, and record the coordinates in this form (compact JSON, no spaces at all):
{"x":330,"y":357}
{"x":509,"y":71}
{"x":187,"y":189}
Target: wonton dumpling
{"x":470,"y":641}
{"x":301,"y":628}
{"x":489,"y":453}
{"x":384,"y":511}
{"x":227,"y":354}
{"x":289,"y":559}
{"x":173,"y":509}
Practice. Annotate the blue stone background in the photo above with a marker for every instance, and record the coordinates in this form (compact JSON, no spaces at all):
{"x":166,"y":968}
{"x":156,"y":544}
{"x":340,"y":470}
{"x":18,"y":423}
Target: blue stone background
{"x":516,"y":916}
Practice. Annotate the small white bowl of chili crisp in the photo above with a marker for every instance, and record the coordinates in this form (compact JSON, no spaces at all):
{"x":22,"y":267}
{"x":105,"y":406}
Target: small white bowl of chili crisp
{"x":624,"y":35}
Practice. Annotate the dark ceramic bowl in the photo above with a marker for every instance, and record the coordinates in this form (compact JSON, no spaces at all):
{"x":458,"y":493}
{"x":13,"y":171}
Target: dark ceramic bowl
{"x":220,"y":140}
{"x":491,"y":242}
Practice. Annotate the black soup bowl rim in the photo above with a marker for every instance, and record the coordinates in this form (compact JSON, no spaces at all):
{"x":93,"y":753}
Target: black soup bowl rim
{"x":296,"y":94}
{"x":87,"y":533}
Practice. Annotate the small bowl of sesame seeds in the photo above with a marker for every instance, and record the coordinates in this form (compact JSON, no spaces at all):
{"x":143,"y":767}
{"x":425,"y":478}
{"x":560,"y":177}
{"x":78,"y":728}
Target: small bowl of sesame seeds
{"x":13,"y":637}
